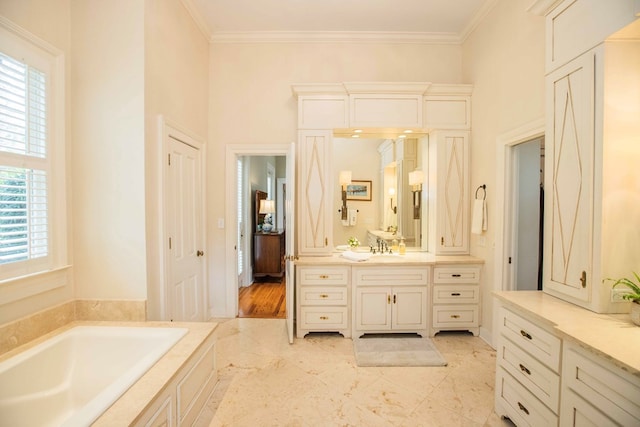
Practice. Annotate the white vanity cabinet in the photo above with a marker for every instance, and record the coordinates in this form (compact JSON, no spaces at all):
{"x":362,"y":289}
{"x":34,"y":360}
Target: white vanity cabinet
{"x":595,"y":392}
{"x":322,"y":295}
{"x":456,"y":299}
{"x":314,"y":227}
{"x":390,"y":299}
{"x":449,"y":198}
{"x":527,"y":371}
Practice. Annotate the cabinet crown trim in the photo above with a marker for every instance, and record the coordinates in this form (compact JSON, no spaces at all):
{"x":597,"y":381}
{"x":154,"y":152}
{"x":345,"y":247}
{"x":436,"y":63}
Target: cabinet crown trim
{"x":396,"y":88}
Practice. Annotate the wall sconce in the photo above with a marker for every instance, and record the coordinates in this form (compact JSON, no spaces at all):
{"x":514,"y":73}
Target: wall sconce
{"x":345,"y":179}
{"x":267,"y":207}
{"x":415,"y":181}
{"x":392,"y":192}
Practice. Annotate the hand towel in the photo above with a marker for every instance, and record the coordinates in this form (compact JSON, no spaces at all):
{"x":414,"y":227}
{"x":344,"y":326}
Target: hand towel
{"x":356,"y":256}
{"x":479,"y":218}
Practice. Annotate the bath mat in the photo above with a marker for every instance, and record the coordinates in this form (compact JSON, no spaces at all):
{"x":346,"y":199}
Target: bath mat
{"x":394,"y":350}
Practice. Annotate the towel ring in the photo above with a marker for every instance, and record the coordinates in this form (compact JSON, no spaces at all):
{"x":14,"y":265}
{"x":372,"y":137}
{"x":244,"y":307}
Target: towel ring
{"x":483,"y":187}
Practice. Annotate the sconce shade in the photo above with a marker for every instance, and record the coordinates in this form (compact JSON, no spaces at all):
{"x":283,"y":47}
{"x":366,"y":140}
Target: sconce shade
{"x":345,"y":178}
{"x":392,"y":191}
{"x":416,"y":178}
{"x":267,"y":206}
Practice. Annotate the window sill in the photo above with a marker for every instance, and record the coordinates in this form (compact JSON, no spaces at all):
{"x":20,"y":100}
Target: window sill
{"x":17,"y":288}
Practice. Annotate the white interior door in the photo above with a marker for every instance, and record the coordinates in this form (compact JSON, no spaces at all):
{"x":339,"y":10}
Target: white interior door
{"x":185,"y":246}
{"x":290,"y":239}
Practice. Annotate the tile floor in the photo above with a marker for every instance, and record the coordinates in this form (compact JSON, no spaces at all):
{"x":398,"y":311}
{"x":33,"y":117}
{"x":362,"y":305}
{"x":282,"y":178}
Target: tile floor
{"x":265,"y":381}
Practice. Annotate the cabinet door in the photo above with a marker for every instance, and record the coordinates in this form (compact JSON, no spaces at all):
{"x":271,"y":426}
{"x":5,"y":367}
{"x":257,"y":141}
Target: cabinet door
{"x":409,"y":310}
{"x":373,"y":308}
{"x":569,"y":177}
{"x":314,"y":221}
{"x":451,"y":178}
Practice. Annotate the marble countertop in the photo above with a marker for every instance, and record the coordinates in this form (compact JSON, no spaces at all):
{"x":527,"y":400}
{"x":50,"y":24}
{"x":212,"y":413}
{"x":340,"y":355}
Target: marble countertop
{"x":611,"y":336}
{"x":410,"y":258}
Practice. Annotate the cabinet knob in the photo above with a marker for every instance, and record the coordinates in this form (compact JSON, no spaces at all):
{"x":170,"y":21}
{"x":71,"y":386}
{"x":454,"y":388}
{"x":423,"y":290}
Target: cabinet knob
{"x":583,"y":279}
{"x":526,"y":334}
{"x":388,"y":299}
{"x":455,"y":316}
{"x":199,"y":253}
{"x":324,"y":318}
{"x":394,"y":298}
{"x":324,"y":276}
{"x":324,"y":296}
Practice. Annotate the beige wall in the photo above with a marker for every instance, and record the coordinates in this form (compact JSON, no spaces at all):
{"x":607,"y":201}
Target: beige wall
{"x":252,"y":103}
{"x":504,"y":60}
{"x":49,"y":20}
{"x":176,"y":77}
{"x":108,"y":148}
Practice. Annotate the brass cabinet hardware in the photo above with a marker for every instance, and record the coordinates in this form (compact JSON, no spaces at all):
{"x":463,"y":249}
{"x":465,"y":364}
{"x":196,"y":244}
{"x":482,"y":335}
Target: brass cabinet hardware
{"x":324,"y":296}
{"x":456,"y":275}
{"x":455,"y":294}
{"x":583,"y":279}
{"x":388,"y":299}
{"x":394,"y":298}
{"x":442,"y":240}
{"x":324,"y":276}
{"x":324,"y":318}
{"x":455,"y":316}
{"x":526,"y":335}
{"x":523,"y":408}
{"x":525,"y":369}
{"x":199,"y":253}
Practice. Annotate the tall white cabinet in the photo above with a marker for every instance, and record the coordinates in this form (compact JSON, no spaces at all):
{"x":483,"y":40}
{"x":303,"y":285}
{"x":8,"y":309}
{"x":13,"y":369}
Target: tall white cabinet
{"x":592,"y":152}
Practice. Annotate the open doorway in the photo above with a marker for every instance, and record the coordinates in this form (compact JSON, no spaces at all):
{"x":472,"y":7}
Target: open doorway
{"x":525,"y":218}
{"x":261,"y":237}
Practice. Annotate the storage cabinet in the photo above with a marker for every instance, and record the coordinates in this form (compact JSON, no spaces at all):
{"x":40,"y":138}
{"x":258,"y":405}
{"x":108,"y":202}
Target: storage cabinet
{"x":456,"y":299}
{"x":268,"y":254}
{"x":527,"y":371}
{"x":390,"y":299}
{"x":314,"y":227}
{"x":595,"y":392}
{"x":322,"y":300}
{"x":448,"y":225}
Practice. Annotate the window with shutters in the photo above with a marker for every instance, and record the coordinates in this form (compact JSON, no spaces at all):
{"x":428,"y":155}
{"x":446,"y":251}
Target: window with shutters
{"x":29,"y":220}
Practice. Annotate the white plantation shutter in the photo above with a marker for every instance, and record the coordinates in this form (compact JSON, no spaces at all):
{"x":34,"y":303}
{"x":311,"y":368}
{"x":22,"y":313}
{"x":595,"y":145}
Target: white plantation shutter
{"x":24,"y":166}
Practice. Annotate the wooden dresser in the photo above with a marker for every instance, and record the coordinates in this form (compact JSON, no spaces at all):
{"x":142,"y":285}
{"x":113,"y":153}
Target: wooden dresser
{"x":268,"y":254}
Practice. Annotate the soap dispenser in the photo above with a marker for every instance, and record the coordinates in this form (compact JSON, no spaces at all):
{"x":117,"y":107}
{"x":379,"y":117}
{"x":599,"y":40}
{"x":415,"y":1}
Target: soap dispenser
{"x":402,"y":248}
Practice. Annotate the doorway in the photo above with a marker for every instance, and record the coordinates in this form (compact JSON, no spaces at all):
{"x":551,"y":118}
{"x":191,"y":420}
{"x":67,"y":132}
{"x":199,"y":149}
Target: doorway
{"x":261,"y":278}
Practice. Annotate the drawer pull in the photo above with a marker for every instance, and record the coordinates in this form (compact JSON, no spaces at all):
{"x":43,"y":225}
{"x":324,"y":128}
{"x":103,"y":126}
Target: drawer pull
{"x":324,"y":318}
{"x":523,"y":408}
{"x":324,"y":296}
{"x":525,"y":334}
{"x":455,"y":294}
{"x":456,"y":275}
{"x":394,"y":298}
{"x":525,"y":369}
{"x":455,"y":316}
{"x":324,"y":276}
{"x":388,"y":299}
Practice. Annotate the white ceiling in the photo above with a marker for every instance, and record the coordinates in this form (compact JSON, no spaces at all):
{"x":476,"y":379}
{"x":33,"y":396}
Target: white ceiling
{"x":435,"y":19}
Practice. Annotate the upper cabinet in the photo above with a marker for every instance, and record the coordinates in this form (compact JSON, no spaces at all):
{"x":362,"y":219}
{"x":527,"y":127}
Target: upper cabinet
{"x":593,"y":149}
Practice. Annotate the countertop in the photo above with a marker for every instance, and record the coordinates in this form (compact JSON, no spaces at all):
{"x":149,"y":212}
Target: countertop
{"x":611,"y":336}
{"x":410,"y":258}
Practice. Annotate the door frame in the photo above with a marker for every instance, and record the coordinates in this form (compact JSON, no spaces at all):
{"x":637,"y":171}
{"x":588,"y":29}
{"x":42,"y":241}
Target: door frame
{"x":504,"y":196}
{"x":167,"y":129}
{"x":232,"y":153}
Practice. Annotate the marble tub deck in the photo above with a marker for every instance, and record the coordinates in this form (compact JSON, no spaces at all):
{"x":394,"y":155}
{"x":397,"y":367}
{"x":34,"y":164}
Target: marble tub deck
{"x":264,"y":381}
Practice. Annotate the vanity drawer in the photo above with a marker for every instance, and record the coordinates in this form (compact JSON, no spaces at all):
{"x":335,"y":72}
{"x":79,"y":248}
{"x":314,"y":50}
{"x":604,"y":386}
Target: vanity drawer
{"x":323,"y":318}
{"x":323,"y":276}
{"x":378,"y":276}
{"x":539,"y":343}
{"x":603,"y":385}
{"x":456,"y":274}
{"x":535,"y":376}
{"x":521,"y":406}
{"x":456,"y":294}
{"x":455,"y":316}
{"x":323,"y":295}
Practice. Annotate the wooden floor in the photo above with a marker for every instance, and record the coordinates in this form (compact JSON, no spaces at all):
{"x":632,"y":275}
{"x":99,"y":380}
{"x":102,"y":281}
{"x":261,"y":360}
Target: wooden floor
{"x":265,"y":299}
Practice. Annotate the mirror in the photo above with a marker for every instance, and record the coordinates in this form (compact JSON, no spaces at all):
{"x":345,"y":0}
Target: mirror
{"x":391,"y":213}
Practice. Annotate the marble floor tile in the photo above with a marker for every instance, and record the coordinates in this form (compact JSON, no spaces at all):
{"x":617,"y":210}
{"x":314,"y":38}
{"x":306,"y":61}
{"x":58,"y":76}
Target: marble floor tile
{"x":265,"y":381}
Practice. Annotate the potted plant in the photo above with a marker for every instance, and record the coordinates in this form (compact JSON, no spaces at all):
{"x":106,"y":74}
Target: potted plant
{"x":632,"y":294}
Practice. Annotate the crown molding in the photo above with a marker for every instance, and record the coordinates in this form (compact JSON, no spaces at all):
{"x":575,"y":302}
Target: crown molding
{"x":542,"y":7}
{"x":197,"y":17}
{"x":477,"y":18}
{"x":333,"y":37}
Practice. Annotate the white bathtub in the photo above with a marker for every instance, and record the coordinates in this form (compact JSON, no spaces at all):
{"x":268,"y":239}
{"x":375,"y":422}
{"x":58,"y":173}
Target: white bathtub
{"x":72,"y":378}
